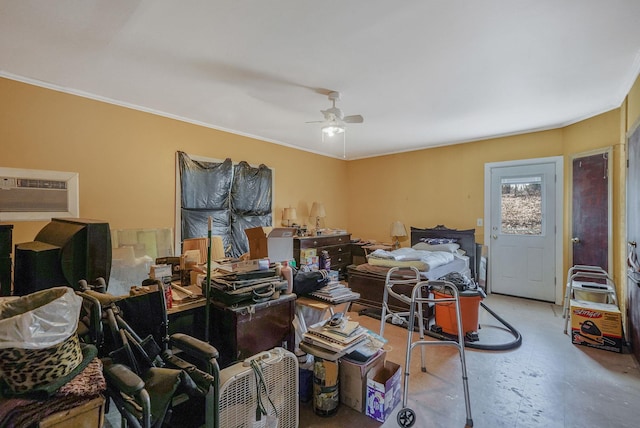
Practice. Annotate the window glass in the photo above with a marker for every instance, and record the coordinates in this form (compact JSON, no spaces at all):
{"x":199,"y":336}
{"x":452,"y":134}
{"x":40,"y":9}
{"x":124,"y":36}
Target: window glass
{"x":521,"y":206}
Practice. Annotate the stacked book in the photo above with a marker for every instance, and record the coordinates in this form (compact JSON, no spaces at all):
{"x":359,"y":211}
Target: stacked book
{"x":341,"y":338}
{"x":335,"y":292}
{"x":367,"y":349}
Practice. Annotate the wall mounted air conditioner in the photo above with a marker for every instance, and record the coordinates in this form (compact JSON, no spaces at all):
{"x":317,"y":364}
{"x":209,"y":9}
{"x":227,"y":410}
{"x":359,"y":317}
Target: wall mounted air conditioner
{"x":239,"y":397}
{"x":29,"y":195}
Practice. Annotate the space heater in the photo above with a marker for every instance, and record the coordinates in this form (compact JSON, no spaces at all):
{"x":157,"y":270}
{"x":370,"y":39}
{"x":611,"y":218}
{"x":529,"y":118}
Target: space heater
{"x":267,"y":381}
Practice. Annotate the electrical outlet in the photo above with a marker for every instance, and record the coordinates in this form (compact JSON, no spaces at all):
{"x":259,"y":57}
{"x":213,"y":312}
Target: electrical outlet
{"x":479,"y":222}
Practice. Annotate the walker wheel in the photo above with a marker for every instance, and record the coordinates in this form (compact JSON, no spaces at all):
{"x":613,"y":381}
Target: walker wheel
{"x":406,"y":417}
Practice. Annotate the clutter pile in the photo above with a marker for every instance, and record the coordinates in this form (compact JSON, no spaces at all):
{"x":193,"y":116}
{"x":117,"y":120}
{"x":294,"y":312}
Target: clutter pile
{"x":339,"y":336}
{"x":335,"y":292}
{"x":257,"y":286}
{"x":44,"y":368}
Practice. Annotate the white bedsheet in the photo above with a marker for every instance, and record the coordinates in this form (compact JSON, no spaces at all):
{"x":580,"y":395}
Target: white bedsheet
{"x":459,"y":264}
{"x":432,"y":259}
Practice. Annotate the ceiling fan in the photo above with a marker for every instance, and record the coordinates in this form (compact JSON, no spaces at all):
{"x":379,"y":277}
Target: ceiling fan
{"x":334,"y":120}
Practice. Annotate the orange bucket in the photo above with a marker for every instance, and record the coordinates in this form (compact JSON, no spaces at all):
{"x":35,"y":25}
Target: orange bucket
{"x":446,"y":312}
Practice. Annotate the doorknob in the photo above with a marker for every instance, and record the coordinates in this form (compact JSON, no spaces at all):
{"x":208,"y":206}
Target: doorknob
{"x":494,"y":236}
{"x":575,"y":240}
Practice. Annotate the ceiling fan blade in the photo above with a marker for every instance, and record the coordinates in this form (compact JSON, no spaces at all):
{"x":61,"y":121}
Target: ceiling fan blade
{"x":356,"y":118}
{"x":315,"y":121}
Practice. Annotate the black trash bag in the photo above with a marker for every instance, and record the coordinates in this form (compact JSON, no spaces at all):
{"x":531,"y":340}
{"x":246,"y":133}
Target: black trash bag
{"x":462,"y":282}
{"x":308,"y":282}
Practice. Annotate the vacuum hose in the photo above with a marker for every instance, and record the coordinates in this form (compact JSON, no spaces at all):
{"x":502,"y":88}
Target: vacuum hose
{"x":496,"y":347}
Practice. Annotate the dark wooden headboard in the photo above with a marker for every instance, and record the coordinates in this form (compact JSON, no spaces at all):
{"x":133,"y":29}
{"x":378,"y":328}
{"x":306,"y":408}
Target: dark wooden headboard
{"x":465,"y":238}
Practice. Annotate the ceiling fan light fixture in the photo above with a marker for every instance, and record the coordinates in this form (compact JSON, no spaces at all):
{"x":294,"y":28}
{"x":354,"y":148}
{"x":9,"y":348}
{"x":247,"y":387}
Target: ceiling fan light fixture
{"x":332,"y":129}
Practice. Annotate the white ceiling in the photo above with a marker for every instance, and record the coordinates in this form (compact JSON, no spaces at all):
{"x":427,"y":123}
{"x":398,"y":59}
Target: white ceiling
{"x":423,"y":73}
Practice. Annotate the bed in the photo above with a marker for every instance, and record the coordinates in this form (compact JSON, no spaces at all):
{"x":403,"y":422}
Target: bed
{"x":369,"y":279}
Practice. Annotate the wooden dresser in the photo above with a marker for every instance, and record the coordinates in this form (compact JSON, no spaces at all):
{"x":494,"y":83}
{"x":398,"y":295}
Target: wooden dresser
{"x":338,"y":246}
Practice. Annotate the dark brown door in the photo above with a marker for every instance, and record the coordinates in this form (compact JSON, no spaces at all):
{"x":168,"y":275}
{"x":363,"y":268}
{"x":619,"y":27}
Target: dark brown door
{"x":633,"y":236}
{"x":590,"y":237}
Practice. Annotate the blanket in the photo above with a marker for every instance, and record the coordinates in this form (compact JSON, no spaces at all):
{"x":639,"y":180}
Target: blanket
{"x":26,"y":411}
{"x":406,"y":257}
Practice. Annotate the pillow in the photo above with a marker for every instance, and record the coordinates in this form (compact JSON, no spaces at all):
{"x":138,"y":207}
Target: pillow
{"x":436,"y":241}
{"x":448,"y":248}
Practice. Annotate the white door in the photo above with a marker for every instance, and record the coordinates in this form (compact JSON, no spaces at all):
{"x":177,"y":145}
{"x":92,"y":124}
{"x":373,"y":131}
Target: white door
{"x":522,"y":241}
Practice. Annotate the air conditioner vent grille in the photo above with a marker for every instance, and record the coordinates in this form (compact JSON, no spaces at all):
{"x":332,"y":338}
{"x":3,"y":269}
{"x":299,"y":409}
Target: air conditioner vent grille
{"x":38,"y":195}
{"x":32,"y":183}
{"x":33,"y":195}
{"x":41,"y":184}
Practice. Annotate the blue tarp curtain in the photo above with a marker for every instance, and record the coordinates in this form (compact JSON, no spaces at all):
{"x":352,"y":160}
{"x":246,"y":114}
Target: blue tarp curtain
{"x":237,"y":197}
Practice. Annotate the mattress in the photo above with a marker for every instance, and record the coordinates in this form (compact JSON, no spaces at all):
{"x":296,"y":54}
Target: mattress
{"x":389,"y":263}
{"x":409,"y":257}
{"x":369,"y":281}
{"x":459,"y":264}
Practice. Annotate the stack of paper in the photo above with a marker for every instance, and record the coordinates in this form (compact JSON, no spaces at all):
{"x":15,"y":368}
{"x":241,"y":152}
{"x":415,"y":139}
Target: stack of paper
{"x":335,"y":339}
{"x":335,"y":292}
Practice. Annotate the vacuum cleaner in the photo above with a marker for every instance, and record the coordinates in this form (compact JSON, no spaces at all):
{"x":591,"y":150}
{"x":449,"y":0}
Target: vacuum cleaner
{"x":590,"y":333}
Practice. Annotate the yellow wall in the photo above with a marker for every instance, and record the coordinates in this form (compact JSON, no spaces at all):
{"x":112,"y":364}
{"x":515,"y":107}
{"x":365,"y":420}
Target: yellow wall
{"x":446,"y":185}
{"x":126,"y":161}
{"x":126,"y":158}
{"x":443,"y":185}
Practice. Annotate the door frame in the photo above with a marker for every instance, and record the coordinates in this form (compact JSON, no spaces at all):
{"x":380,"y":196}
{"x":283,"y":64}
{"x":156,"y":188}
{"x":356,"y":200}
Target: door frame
{"x":559,"y":169}
{"x":628,"y":284}
{"x":609,"y":152}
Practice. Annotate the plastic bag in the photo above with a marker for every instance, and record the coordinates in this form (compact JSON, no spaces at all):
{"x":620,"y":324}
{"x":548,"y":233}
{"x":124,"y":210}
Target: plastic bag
{"x":39,"y":320}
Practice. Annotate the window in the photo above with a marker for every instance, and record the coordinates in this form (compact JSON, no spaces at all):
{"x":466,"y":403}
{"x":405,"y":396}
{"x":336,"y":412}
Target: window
{"x":521,"y":206}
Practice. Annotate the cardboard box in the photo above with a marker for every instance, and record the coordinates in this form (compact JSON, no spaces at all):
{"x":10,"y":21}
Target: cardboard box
{"x":594,"y":324}
{"x":383,"y":391}
{"x":308,"y":252}
{"x":274,"y":243}
{"x":353,"y":380}
{"x":160,"y":271}
{"x":309,"y":262}
{"x":88,"y":414}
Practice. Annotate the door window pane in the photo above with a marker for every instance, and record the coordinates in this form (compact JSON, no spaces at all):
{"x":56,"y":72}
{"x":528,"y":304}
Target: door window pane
{"x":521,"y":206}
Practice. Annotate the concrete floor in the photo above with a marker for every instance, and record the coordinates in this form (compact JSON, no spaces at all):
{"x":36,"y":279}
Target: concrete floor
{"x":546,"y":382}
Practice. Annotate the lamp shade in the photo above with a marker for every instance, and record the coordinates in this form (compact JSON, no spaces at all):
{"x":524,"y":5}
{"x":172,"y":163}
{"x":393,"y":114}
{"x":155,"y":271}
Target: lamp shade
{"x":398,"y":229}
{"x":289,"y":214}
{"x":317,"y":210}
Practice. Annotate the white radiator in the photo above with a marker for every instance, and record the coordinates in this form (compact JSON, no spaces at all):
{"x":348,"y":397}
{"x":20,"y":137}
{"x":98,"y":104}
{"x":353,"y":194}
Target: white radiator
{"x":239,"y":391}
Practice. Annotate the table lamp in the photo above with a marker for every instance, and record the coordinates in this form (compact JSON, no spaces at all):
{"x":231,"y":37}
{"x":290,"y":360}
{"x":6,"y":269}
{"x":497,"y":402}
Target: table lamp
{"x":397,"y":230}
{"x":317,"y":211}
{"x":289,"y":214}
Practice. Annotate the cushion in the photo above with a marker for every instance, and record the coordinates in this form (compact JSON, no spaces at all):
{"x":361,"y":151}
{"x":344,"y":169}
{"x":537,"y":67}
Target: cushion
{"x":448,"y":248}
{"x":26,"y":369}
{"x":418,"y":264}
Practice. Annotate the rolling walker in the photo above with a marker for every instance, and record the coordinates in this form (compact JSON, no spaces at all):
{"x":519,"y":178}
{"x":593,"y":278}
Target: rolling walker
{"x":406,"y":416}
